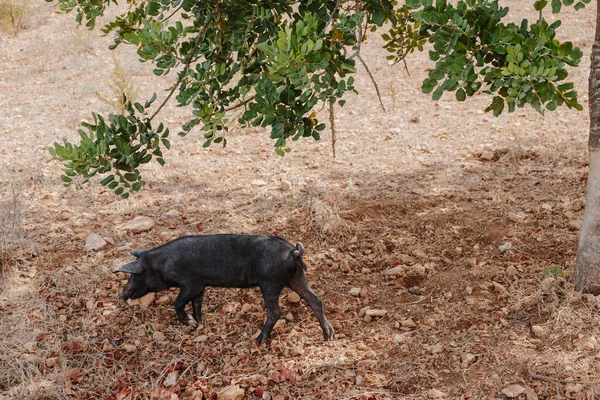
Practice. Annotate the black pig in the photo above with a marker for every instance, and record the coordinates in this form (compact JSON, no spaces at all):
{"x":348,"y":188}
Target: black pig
{"x":193,"y":262}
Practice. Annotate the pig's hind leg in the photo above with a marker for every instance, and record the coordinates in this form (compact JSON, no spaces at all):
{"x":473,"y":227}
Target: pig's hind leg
{"x":300,"y":285}
{"x":185,"y":296}
{"x":271,"y":298}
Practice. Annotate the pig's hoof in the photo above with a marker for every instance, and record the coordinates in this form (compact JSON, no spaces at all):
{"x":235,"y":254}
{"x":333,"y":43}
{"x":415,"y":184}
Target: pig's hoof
{"x":189,"y":321}
{"x":328,"y":331}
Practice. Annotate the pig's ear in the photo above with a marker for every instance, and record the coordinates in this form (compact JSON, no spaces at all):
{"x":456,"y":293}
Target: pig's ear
{"x":131,"y":268}
{"x":136,"y":253}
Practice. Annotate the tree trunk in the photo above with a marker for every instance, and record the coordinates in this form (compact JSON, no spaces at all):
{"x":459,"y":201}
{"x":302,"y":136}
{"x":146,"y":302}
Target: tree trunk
{"x":587,"y":268}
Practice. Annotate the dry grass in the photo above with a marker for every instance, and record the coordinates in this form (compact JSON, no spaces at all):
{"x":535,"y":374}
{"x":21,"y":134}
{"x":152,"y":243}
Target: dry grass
{"x":14,"y":15}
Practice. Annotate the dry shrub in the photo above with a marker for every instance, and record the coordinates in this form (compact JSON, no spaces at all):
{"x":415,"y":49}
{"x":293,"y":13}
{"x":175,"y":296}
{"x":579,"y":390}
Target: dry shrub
{"x":323,"y":209}
{"x":121,"y":85}
{"x":10,"y":231}
{"x":14,"y":15}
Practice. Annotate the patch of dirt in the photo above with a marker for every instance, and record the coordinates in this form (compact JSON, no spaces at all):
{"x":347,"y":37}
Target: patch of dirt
{"x":486,"y":248}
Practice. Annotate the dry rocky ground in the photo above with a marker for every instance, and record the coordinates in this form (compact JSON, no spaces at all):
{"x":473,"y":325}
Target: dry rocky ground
{"x":461,"y":226}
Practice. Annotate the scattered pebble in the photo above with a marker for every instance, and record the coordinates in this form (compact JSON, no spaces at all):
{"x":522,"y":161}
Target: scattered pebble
{"x":513,"y":391}
{"x":259,"y":182}
{"x":94,"y":242}
{"x":293,"y":298}
{"x":234,"y":392}
{"x":375,"y":312}
{"x":138,"y":225}
{"x":399,"y":270}
{"x":538,"y":331}
{"x":158,"y":336}
{"x":355,"y":291}
{"x":172,"y":213}
{"x":285,"y":185}
{"x":435,"y":394}
{"x":487,"y":155}
{"x":171,"y":379}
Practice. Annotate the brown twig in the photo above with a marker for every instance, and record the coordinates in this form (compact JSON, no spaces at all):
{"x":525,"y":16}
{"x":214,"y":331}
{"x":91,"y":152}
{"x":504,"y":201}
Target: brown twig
{"x":331,"y":366}
{"x":554,"y":380}
{"x":243,"y":103}
{"x":187,"y":64}
{"x":332,"y":125}
{"x":372,"y":79}
{"x":173,"y":13}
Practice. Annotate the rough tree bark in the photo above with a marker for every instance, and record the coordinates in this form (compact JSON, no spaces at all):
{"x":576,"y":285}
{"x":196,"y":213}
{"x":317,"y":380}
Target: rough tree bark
{"x":587,"y":268}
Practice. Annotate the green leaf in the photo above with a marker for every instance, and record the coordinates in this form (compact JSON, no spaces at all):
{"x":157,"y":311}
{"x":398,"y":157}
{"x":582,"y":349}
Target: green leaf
{"x":461,"y":95}
{"x":556,"y":6}
{"x":107,"y":180}
{"x":540,"y":4}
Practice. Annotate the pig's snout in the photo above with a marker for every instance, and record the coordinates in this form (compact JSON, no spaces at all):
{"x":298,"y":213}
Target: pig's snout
{"x":123,"y":295}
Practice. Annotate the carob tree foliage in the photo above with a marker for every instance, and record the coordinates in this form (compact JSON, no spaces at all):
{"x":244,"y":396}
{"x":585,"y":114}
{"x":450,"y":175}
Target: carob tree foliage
{"x":276,"y":63}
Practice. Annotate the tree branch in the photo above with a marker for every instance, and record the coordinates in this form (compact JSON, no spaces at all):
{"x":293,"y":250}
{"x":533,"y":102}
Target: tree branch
{"x":173,"y":13}
{"x":243,"y":103}
{"x":332,"y":126}
{"x":187,"y":64}
{"x":372,"y":80}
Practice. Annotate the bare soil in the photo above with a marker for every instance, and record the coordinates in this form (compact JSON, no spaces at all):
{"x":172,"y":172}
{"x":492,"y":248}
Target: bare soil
{"x":488,"y":245}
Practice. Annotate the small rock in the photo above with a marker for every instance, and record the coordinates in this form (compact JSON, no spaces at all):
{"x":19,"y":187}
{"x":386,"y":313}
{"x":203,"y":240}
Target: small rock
{"x":94,"y":242}
{"x":106,"y":347}
{"x":363,"y":311}
{"x":234,"y":392}
{"x":572,"y":388}
{"x":355,"y":291}
{"x":515,"y":217}
{"x":513,"y":391}
{"x":398,"y":338}
{"x":172,"y":213}
{"x":436,"y":348}
{"x":171,"y":379}
{"x":158,"y":336}
{"x":435,"y":394}
{"x":546,"y":207}
{"x":418,"y":270}
{"x":577,"y":205}
{"x":144,"y":301}
{"x":259,"y":182}
{"x":467,"y":359}
{"x":487,"y":155}
{"x":399,"y":270}
{"x":408,"y":323}
{"x":52,"y":362}
{"x":499,"y":288}
{"x":30,"y":347}
{"x":430,"y":322}
{"x":419,"y":253}
{"x":296,"y":350}
{"x":246,"y":308}
{"x":505,"y":247}
{"x":285,"y":185}
{"x":201,"y":338}
{"x":538,"y":331}
{"x":138,"y":225}
{"x":293,"y":298}
{"x":62,"y":318}
{"x":130,"y":348}
{"x":576,"y":224}
{"x":375,"y":313}
{"x":530,"y":394}
{"x":511,"y":271}
{"x":278,"y":327}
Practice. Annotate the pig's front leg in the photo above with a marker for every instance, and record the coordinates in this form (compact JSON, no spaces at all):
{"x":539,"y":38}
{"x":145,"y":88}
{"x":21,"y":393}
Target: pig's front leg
{"x":184,"y":297}
{"x":197,"y":306}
